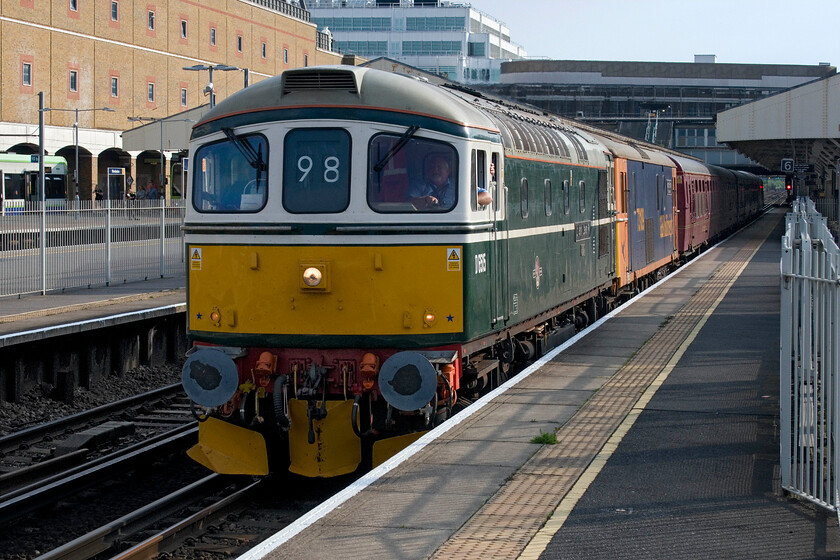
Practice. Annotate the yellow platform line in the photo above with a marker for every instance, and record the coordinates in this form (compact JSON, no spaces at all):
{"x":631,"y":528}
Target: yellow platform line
{"x":538,"y":544}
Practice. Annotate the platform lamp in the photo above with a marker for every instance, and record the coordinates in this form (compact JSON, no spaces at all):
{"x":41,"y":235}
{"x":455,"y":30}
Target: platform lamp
{"x":76,"y":136}
{"x":209,"y":87}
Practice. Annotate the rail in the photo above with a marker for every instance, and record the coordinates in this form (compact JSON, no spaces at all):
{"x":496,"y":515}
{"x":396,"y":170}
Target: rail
{"x":809,"y":379}
{"x":82,"y":244}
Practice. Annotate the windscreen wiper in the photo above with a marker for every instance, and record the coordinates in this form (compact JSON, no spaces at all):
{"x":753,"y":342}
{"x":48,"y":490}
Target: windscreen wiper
{"x":396,"y":148}
{"x":254,"y":158}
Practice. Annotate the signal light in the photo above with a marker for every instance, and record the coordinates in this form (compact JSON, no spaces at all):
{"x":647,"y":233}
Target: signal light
{"x":788,"y":186}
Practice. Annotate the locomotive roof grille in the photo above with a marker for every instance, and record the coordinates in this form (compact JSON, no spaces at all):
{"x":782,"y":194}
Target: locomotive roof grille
{"x":323,"y":80}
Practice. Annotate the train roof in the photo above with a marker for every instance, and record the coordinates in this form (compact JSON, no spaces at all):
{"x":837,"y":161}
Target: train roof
{"x":628,"y":149}
{"x":345,"y":89}
{"x":691,"y":165}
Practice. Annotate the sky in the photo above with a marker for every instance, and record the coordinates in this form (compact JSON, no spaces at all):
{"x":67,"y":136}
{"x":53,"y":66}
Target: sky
{"x":737,"y":31}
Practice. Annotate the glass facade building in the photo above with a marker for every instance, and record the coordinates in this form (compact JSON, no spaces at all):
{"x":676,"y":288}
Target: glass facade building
{"x":452,"y":40}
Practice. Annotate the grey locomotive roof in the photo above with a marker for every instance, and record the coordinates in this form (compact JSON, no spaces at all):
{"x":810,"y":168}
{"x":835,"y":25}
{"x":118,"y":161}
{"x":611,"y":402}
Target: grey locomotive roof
{"x":350,"y":86}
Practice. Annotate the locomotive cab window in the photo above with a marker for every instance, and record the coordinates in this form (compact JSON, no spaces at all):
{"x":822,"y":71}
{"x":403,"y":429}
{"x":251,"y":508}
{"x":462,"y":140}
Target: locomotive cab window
{"x":231,"y":175}
{"x":410,"y":174}
{"x":480,"y":187}
{"x":316,"y":170}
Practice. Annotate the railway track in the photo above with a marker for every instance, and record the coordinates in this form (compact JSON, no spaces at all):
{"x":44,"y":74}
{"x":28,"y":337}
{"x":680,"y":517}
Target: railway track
{"x":41,"y":452}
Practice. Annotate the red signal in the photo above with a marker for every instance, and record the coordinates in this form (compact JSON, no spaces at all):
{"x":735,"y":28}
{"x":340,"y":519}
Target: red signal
{"x":788,"y":187}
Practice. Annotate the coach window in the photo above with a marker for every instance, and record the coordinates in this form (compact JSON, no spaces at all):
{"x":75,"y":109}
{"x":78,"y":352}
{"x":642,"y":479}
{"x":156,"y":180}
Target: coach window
{"x":316,"y":170}
{"x":567,"y":203}
{"x":658,"y":192}
{"x":523,"y":197}
{"x":231,"y":175}
{"x":548,"y":209}
{"x":410,"y":174}
{"x":582,"y":194}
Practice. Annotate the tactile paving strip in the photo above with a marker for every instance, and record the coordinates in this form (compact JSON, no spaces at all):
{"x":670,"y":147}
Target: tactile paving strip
{"x":504,"y":526}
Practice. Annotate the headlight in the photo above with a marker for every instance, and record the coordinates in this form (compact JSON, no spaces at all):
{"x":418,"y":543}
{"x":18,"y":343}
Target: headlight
{"x":312,"y":276}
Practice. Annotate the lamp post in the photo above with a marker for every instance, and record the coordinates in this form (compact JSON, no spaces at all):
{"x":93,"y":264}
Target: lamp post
{"x":76,"y":110}
{"x":209,"y":87}
{"x":162,"y":156}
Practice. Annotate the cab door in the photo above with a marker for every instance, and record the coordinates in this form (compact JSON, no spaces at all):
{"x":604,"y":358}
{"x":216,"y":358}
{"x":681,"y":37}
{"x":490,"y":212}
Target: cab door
{"x":491,"y":257}
{"x":499,"y":243}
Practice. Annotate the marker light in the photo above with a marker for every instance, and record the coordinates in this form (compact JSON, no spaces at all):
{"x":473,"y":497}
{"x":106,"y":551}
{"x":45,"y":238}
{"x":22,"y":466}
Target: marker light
{"x":429,"y":318}
{"x":312,"y":276}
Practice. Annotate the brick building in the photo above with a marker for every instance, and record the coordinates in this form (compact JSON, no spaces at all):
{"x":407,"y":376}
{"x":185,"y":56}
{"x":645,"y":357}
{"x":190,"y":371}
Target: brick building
{"x":129,"y":56}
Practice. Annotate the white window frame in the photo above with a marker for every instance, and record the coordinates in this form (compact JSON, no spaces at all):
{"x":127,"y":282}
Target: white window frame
{"x":74,"y":5}
{"x":115,"y":86}
{"x":26,"y":74}
{"x":74,"y":81}
{"x":115,"y":10}
{"x":151,"y":20}
{"x":183,"y":97}
{"x":183,"y":29}
{"x":285,"y":56}
{"x":150,"y":92}
{"x":239,"y":42}
{"x":213,"y":36}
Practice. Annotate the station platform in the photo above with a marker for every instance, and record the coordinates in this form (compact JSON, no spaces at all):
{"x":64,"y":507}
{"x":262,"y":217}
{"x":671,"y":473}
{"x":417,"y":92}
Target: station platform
{"x":666,"y":421}
{"x":33,"y":312}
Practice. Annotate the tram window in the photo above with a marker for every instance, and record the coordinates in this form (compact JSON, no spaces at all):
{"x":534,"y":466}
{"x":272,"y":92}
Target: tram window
{"x":316,"y":170}
{"x":548,"y":209}
{"x":582,"y":195}
{"x":231,"y":175}
{"x":411,"y":174}
{"x":523,"y":197}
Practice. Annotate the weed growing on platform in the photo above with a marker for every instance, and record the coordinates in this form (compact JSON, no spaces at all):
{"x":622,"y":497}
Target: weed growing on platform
{"x":545,"y":438}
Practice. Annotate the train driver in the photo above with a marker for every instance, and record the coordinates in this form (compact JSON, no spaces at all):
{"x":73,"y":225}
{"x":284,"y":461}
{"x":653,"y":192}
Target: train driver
{"x":483,"y":196}
{"x":436,"y":191}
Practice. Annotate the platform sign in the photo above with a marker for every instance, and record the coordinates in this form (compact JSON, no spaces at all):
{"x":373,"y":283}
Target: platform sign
{"x":787,"y":165}
{"x":116,"y":171}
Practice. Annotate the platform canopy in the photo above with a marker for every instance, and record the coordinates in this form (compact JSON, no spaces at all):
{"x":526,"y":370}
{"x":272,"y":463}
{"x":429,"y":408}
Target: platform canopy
{"x":173,"y":135}
{"x":802,"y":124}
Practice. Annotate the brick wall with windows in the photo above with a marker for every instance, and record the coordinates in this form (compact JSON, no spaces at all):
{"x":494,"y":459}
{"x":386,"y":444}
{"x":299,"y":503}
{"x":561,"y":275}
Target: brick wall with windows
{"x":126,"y":53}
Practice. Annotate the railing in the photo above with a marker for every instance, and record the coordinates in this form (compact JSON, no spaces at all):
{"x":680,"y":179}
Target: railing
{"x":809,"y":379}
{"x":89,"y":243}
{"x":284,"y":8}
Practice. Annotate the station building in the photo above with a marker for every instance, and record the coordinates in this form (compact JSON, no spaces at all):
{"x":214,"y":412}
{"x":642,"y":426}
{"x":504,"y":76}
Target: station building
{"x":449,"y":39}
{"x":672,"y":104}
{"x":108,"y":61}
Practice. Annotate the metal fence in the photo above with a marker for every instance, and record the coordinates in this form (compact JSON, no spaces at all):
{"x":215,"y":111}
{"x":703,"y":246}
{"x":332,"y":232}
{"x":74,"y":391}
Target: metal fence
{"x":810,"y":358}
{"x":88,"y":243}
